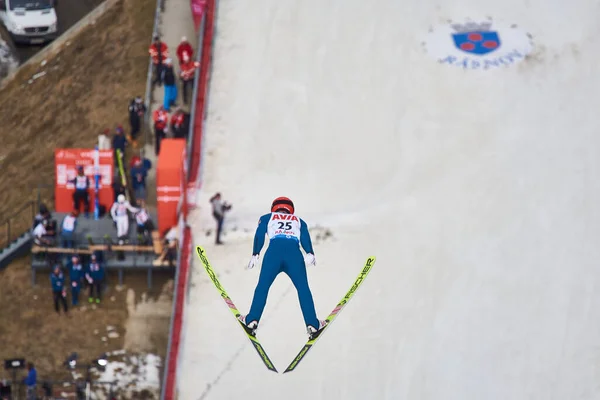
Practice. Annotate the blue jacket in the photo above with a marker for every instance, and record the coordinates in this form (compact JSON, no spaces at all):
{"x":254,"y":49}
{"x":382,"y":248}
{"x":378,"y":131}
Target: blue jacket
{"x":138,"y":177}
{"x":261,"y":231}
{"x":31,"y":378}
{"x":96,"y":272}
{"x":76,"y":274}
{"x":58,"y":282}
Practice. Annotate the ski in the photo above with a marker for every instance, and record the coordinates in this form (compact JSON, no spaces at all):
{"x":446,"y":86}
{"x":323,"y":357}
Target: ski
{"x":251,"y":335}
{"x":96,"y":183}
{"x":334,"y":313}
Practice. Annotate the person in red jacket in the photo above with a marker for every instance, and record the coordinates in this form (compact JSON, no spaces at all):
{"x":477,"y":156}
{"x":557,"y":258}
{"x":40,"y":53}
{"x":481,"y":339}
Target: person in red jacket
{"x":188,"y":70}
{"x":161,"y":126}
{"x":184,"y":51}
{"x":178,"y":124}
{"x":159,"y":53}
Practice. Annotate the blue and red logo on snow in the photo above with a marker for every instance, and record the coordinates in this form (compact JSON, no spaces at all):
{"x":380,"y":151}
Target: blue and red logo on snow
{"x":475,"y":38}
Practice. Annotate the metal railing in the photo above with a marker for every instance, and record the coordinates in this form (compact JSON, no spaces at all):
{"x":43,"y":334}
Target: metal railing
{"x":17,"y":224}
{"x":191,"y":140}
{"x":148,"y":135}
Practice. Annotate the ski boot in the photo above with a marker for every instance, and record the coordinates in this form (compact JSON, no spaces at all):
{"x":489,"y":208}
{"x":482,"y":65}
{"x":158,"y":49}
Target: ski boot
{"x":313,"y":332}
{"x":250,"y":327}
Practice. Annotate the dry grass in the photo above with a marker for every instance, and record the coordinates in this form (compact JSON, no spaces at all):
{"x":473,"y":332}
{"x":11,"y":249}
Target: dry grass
{"x":31,"y":328}
{"x":86,"y":89}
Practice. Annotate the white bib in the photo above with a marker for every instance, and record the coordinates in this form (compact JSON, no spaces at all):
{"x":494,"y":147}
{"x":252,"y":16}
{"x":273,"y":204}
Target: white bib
{"x":141,"y":217}
{"x":69,"y":223}
{"x":80,"y":182}
{"x":283,"y":225}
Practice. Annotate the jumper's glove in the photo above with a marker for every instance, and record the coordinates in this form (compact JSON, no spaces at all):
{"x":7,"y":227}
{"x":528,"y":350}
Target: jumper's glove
{"x":309,"y":259}
{"x":253,"y":261}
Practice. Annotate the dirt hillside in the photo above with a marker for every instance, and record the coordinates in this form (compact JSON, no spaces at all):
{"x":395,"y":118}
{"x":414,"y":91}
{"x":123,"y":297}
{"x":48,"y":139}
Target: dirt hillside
{"x":86,"y":88}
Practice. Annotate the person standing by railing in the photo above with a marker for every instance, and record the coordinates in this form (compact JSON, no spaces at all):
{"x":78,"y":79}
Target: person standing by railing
{"x":159,"y":52}
{"x":188,"y":70}
{"x":170,"y":81}
{"x":161,"y":126}
{"x":68,"y":226}
{"x":184,"y":51}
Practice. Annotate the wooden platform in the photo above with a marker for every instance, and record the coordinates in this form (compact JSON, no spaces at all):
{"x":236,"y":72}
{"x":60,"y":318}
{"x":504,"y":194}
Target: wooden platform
{"x":98,"y":237}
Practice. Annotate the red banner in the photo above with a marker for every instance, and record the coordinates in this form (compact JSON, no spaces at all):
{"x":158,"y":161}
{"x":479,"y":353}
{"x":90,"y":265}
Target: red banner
{"x":66,"y":162}
{"x":198,"y":8}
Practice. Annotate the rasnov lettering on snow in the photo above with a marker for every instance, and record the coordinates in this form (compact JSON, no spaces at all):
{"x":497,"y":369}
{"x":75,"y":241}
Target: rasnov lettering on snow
{"x":478,"y":45}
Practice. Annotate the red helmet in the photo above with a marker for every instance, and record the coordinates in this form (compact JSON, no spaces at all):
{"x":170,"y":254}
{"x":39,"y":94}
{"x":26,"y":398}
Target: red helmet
{"x":282,"y":203}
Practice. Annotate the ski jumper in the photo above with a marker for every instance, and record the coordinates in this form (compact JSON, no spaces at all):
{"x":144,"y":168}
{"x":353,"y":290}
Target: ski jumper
{"x":286,"y":234}
{"x":118,"y":212}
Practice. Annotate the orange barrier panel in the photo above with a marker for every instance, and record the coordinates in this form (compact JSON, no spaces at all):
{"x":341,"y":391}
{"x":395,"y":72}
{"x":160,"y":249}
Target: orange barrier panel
{"x":66,"y":162}
{"x":169,"y":177}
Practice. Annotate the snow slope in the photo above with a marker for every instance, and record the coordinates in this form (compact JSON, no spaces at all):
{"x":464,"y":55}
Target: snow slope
{"x":476,"y":190}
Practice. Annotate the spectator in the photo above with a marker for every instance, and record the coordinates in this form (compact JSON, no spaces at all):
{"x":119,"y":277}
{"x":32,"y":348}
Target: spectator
{"x":184,"y":51}
{"x":67,"y":233}
{"x":30,"y":382}
{"x":138,"y":180}
{"x":39,"y":234}
{"x":188,"y":70}
{"x":50,"y":226}
{"x":159,"y":52}
{"x":104,"y":140}
{"x":137,"y":109}
{"x":76,"y":273}
{"x":145,"y":226}
{"x":179,"y":124}
{"x":81,"y":193}
{"x":45,"y":233}
{"x":161,"y":126}
{"x":95,"y":278}
{"x":119,"y":142}
{"x":133,"y":160}
{"x":219,"y":208}
{"x":168,"y":78}
{"x":57,"y":279}
{"x":171,"y":243}
{"x":42,"y":214}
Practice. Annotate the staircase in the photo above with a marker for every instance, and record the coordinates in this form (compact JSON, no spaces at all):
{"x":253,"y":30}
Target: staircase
{"x":15,"y":234}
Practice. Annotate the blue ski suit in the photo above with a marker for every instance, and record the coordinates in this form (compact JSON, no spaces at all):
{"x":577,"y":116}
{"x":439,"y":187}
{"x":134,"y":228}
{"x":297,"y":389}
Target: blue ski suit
{"x":287,"y":233}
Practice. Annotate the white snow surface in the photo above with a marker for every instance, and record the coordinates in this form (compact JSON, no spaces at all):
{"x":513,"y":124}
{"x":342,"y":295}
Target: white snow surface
{"x":8,"y":60}
{"x":478,"y":192}
{"x":134,"y":376}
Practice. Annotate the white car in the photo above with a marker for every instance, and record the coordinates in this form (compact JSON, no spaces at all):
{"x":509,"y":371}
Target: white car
{"x":29,"y":21}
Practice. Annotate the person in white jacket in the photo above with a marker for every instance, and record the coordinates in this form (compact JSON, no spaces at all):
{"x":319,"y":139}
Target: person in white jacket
{"x":118,"y":212}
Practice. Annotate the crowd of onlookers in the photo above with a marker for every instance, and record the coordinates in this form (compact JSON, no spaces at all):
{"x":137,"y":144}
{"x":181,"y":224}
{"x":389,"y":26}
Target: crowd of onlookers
{"x":169,"y":122}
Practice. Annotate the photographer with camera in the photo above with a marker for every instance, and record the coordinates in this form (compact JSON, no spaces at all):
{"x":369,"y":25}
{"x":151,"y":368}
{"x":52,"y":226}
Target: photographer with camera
{"x":219,"y":208}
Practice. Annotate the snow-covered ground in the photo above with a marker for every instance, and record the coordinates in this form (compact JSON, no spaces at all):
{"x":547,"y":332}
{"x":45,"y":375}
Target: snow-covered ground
{"x":8,"y":59}
{"x":474,"y":180}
